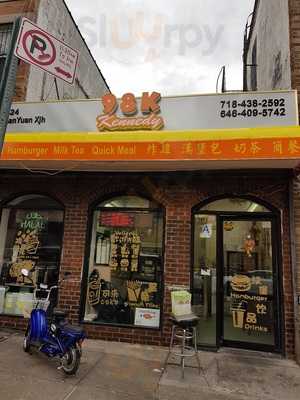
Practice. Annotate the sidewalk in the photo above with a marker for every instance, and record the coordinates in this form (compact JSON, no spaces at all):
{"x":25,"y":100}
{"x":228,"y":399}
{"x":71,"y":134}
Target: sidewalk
{"x":119,"y":371}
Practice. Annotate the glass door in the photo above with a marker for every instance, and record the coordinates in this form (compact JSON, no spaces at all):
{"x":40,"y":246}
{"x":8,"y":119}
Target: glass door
{"x":248,"y":282}
{"x":205,"y":278}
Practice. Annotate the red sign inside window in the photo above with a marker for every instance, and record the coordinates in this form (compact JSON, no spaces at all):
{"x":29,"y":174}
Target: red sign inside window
{"x":116,"y":219}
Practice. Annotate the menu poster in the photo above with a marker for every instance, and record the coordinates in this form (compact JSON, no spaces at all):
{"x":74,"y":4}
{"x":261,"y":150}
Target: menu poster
{"x":251,"y":306}
{"x":147,"y":317}
{"x":252,"y":313}
{"x":124,"y":251}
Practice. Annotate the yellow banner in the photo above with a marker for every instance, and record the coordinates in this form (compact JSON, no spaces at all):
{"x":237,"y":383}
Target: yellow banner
{"x":240,"y":144}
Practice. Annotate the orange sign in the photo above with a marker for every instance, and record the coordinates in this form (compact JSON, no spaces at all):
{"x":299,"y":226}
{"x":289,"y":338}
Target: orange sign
{"x":109,"y":121}
{"x":236,"y":149}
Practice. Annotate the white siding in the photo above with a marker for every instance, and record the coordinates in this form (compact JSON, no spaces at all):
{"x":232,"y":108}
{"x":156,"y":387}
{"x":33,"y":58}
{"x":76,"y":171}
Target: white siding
{"x":273,"y":51}
{"x":54,"y":17}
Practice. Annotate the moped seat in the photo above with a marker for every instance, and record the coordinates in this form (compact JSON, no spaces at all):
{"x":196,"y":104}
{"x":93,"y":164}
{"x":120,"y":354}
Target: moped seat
{"x":59,"y":314}
{"x":73,"y":329}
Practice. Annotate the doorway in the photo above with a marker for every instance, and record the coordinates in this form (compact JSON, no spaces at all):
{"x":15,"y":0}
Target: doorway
{"x":235,"y":283}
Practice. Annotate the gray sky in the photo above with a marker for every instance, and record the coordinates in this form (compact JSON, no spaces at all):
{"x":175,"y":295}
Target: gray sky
{"x":170,"y":46}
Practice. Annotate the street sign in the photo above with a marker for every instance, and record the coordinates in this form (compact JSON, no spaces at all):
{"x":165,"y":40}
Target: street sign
{"x":40,"y":48}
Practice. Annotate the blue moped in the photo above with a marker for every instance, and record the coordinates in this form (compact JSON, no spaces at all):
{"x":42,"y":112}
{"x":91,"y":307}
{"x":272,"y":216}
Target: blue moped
{"x":51,"y":334}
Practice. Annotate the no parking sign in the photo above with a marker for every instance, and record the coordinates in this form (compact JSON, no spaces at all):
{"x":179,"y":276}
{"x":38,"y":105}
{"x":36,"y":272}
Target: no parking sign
{"x":40,"y":48}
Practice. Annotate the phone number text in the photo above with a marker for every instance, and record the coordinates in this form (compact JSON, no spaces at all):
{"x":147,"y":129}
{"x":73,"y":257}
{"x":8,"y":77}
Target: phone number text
{"x":253,"y":108}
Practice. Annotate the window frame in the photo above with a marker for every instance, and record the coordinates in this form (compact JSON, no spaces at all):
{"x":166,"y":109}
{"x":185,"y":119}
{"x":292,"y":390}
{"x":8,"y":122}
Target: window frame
{"x":273,"y":215}
{"x":5,"y":43}
{"x":159,"y":210}
{"x":5,"y":205}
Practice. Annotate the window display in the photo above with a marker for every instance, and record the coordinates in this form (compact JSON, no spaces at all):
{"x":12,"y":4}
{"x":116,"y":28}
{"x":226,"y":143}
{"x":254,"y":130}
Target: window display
{"x":31,"y":234}
{"x":125,"y":263}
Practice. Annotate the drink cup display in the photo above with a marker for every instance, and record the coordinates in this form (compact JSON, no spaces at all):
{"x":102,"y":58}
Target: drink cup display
{"x":238,"y":318}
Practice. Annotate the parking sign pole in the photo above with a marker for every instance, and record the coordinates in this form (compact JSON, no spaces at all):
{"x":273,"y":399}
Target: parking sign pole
{"x":8,"y":82}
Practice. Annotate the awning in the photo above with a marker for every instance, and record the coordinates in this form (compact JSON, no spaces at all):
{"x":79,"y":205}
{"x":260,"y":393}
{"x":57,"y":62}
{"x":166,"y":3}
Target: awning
{"x":267,"y":147}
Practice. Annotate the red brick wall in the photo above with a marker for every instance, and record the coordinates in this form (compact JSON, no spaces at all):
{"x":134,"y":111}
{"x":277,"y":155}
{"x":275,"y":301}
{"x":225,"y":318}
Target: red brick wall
{"x":178,"y":193}
{"x":8,"y":12}
{"x":294,"y":15}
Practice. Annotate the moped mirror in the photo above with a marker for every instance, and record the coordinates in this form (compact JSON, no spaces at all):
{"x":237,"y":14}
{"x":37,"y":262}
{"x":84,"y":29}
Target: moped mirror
{"x":25,"y":272}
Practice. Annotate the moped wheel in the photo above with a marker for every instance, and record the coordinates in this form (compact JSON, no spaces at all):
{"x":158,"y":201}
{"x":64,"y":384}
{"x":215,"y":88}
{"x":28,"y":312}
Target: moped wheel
{"x":79,"y":349}
{"x":26,"y":340}
{"x":70,"y":361}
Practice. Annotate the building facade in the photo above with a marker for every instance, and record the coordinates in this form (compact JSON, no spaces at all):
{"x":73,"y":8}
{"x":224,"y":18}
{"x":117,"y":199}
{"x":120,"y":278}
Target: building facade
{"x":145,"y":213}
{"x":192,"y":202}
{"x":271,"y":57}
{"x":173,"y":253}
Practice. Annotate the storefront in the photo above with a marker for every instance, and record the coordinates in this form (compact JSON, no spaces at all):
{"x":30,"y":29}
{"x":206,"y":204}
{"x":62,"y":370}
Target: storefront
{"x":236,"y":285}
{"x":135,"y":215}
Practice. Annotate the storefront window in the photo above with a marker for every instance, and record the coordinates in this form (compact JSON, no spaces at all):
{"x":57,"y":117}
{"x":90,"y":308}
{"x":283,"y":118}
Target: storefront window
{"x":30,"y":238}
{"x":125,"y":265}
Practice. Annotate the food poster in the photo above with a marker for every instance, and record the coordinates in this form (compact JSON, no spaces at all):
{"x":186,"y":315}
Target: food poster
{"x":107,"y":222}
{"x":143,"y":294}
{"x":101,"y":292}
{"x":251,"y":304}
{"x":26,"y":245}
{"x":147,"y":317}
{"x":107,"y":300}
{"x":124,"y":251}
{"x":116,"y":301}
{"x":120,"y":236}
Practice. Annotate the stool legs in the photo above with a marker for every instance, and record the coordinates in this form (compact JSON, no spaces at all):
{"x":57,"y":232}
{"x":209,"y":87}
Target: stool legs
{"x":196,"y":348}
{"x":185,"y":335}
{"x":170,"y":347}
{"x":183,"y":344}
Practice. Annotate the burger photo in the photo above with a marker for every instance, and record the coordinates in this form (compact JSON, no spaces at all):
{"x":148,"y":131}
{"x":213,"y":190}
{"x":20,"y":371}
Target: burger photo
{"x":241,"y":283}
